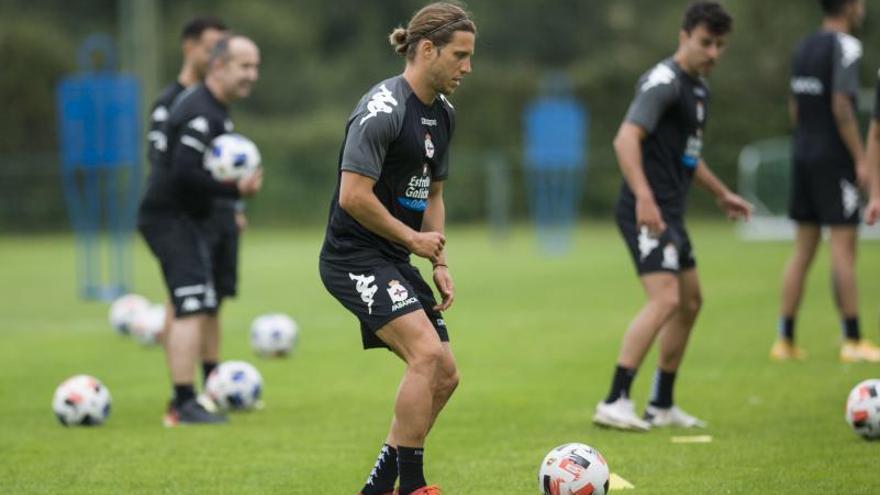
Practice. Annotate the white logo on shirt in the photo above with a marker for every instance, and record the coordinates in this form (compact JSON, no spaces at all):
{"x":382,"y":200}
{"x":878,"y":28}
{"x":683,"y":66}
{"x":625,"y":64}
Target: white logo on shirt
{"x":647,"y":242}
{"x":807,"y":86}
{"x":381,"y":101}
{"x":228,"y":125}
{"x":851,"y":49}
{"x":661,"y":74}
{"x":429,"y":122}
{"x":199,"y":124}
{"x":701,"y":112}
{"x":365,"y":289}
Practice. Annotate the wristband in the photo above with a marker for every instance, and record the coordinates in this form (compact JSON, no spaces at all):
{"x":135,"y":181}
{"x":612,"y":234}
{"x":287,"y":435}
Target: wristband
{"x":438,"y":265}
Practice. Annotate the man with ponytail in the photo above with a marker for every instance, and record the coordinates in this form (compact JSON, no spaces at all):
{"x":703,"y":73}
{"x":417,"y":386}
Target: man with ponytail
{"x":388,"y":204}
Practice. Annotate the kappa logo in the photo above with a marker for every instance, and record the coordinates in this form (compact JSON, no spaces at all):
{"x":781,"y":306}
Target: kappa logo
{"x":661,"y":74}
{"x":429,"y":122}
{"x":228,"y":125}
{"x":429,"y":146}
{"x":851,"y":49}
{"x":849,"y":195}
{"x":199,"y":124}
{"x":647,"y":243}
{"x":381,"y":101}
{"x":363,"y":287}
{"x":397,"y":292}
{"x":670,"y":257}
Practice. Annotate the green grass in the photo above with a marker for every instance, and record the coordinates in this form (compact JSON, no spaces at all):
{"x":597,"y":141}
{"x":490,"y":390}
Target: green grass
{"x":535,"y":337}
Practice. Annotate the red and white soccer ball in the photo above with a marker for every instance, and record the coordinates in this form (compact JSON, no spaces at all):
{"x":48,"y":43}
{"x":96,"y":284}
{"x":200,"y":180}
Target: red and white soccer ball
{"x":124,"y":309}
{"x":146,"y":325}
{"x":273,"y":335}
{"x":235,"y":385}
{"x":863,"y":409}
{"x":81,"y":400}
{"x":573,"y":469}
{"x":231,"y":157}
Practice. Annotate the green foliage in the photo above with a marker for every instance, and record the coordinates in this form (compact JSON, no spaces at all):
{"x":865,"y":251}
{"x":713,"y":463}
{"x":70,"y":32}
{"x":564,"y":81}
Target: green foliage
{"x":319,"y":57}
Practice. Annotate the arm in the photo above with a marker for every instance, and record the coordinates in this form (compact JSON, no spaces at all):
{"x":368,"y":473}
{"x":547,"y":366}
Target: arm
{"x":356,"y":197}
{"x":729,"y":202}
{"x":628,"y":148}
{"x":848,"y":127}
{"x":434,"y":221}
{"x":872,"y":211}
{"x":187,"y":156}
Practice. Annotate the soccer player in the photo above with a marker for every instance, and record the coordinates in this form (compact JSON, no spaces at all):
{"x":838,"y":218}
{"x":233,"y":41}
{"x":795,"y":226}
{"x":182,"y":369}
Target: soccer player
{"x":178,"y":204}
{"x":658,"y":148}
{"x":197,"y":39}
{"x":828,"y":165}
{"x":389,"y":203}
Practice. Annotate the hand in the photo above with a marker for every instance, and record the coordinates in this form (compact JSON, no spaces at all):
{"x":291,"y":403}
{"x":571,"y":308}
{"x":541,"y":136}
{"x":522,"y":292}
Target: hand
{"x":240,"y":220}
{"x":734,"y":206}
{"x":872,"y":211}
{"x":427,"y":244}
{"x":863,"y":178}
{"x":251,"y":183}
{"x":648,"y":215}
{"x":443,"y":281}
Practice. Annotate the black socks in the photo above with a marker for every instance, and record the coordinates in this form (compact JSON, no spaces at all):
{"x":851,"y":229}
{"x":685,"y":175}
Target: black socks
{"x":384,"y":473}
{"x":409,"y":461}
{"x":621,"y":383}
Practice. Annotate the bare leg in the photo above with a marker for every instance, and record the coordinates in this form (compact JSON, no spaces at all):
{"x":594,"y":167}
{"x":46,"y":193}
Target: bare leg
{"x":662,"y":292}
{"x":674,"y":334}
{"x":843,"y":270}
{"x":183,"y":346}
{"x":806,"y":242}
{"x":211,"y":339}
{"x":412,"y":337}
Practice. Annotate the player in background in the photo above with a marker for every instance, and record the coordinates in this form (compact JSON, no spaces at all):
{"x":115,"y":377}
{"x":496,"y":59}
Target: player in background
{"x":388,"y":204}
{"x":659,"y":147}
{"x":198,"y":37}
{"x":828,"y":166}
{"x":178,"y":205}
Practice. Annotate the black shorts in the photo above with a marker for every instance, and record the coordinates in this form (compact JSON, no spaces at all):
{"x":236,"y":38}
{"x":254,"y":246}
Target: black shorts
{"x":182,"y":248}
{"x":223,"y":238}
{"x":823,"y":196}
{"x":669,"y":252}
{"x":377,"y":293}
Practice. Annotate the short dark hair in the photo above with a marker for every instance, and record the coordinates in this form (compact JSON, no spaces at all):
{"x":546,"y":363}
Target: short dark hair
{"x":194,"y":28}
{"x":712,"y":14}
{"x":834,"y":7}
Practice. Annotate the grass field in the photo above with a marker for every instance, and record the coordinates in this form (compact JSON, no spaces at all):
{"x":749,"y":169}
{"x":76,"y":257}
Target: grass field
{"x":535,"y":337}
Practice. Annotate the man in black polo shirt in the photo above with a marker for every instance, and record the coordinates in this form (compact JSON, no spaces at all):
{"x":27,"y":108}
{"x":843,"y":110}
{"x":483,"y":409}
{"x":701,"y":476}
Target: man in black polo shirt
{"x":828,"y":166}
{"x":179,"y":202}
{"x":659,"y":149}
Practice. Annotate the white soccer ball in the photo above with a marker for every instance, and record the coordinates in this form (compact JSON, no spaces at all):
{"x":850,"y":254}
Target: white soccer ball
{"x":573,"y":469}
{"x":863,"y":409}
{"x":124,"y":309}
{"x":81,"y":400}
{"x":231,"y":157}
{"x":273,"y":335}
{"x":234,"y":385}
{"x":146,"y":325}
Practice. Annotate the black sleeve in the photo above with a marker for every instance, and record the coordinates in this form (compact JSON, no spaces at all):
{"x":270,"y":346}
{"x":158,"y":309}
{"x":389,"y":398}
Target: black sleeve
{"x":187,"y":155}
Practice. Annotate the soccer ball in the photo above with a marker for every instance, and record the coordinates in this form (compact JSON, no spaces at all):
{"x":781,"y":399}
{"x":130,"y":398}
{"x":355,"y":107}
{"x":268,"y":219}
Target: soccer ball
{"x":573,"y":469}
{"x":273,"y":334}
{"x":231,"y":157}
{"x":124,"y":309}
{"x":146,"y":325}
{"x":863,"y":409}
{"x":81,"y":400}
{"x":234,"y":385}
